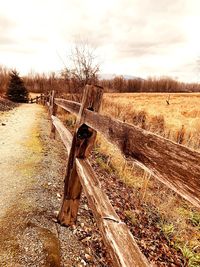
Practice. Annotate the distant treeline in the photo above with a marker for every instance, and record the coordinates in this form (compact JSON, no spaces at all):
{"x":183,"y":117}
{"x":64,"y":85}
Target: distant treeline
{"x":162,"y":84}
{"x":41,"y":83}
{"x":44,"y":83}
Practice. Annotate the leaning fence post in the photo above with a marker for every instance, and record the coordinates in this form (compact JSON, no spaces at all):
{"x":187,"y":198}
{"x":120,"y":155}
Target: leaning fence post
{"x":49,"y":101}
{"x":82,"y":143}
{"x":42,"y":99}
{"x":45,"y":99}
{"x":53,"y":110}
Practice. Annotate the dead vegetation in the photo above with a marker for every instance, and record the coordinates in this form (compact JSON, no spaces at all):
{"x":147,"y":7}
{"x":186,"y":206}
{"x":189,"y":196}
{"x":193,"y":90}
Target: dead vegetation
{"x":176,"y":221}
{"x":179,"y":122}
{"x":6,"y":104}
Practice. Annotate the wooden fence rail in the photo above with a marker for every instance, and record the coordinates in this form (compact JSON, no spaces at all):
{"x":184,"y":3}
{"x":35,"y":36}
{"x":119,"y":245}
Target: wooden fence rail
{"x":118,"y":239}
{"x":176,"y":166}
{"x":39,"y":99}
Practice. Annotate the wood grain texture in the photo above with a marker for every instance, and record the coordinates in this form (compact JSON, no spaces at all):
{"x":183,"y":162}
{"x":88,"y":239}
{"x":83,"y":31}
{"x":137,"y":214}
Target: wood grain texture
{"x":116,"y":235}
{"x":175,"y":165}
{"x":82,"y":143}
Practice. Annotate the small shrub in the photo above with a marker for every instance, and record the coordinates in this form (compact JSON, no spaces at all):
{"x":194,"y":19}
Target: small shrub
{"x":139,"y":119}
{"x":168,"y":230}
{"x":193,"y":259}
{"x":157,"y":124}
{"x":194,"y":219}
{"x":16,"y":91}
{"x":131,"y":217}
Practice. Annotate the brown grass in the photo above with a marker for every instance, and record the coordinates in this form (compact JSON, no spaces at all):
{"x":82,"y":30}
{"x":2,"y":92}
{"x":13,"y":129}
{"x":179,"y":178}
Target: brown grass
{"x":178,"y":121}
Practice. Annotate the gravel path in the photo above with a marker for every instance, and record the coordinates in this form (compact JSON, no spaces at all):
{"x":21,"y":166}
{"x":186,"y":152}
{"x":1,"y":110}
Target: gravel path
{"x":31,"y":177}
{"x":19,"y":150}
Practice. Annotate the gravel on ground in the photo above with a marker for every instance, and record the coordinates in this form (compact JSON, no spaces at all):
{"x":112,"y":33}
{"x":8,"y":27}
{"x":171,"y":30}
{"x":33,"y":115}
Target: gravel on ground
{"x":32,"y":171}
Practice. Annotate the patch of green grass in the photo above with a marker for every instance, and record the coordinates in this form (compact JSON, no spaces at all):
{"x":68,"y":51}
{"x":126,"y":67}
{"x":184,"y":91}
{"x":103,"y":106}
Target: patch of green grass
{"x":183,"y":211}
{"x":167,"y":229}
{"x":103,"y":161}
{"x":194,"y":219}
{"x":70,"y":122}
{"x":192,"y":258}
{"x":103,"y":165}
{"x":131,"y":216}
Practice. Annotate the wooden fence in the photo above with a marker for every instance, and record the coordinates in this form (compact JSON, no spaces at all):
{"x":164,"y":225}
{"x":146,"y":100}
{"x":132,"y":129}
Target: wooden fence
{"x":176,"y":166}
{"x":42,"y":99}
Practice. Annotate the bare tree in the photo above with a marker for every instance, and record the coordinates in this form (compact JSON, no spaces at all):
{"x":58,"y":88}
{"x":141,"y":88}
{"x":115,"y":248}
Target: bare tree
{"x":4,"y":78}
{"x":83,"y":67}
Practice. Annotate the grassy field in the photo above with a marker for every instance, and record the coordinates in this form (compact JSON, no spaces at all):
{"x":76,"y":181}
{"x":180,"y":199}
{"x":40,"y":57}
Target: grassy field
{"x":179,"y":121}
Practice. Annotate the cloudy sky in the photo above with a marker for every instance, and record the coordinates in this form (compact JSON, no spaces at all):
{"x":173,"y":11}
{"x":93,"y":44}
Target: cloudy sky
{"x":136,"y":37}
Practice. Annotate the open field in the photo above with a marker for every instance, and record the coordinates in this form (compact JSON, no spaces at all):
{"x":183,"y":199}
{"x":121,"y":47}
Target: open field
{"x":179,"y":121}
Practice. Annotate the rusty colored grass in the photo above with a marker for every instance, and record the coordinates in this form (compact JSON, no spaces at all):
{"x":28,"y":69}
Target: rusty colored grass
{"x":179,"y":121}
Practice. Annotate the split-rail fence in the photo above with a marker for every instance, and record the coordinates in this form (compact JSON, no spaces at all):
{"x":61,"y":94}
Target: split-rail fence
{"x":177,"y":166}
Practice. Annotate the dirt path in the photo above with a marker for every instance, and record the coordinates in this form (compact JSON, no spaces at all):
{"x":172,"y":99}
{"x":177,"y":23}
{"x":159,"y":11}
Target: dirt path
{"x":20,"y":150}
{"x":31,"y":171}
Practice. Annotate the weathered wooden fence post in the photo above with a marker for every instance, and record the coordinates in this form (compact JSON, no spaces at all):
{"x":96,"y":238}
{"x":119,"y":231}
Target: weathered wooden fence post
{"x":45,"y":99}
{"x":82,"y":143}
{"x":53,"y":110}
{"x":41,"y":99}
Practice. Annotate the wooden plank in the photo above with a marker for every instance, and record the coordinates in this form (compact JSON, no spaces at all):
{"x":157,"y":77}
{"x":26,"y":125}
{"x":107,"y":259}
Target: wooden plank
{"x":68,"y":105}
{"x":175,"y":165}
{"x":82,"y":143}
{"x":65,"y":135}
{"x":116,"y":235}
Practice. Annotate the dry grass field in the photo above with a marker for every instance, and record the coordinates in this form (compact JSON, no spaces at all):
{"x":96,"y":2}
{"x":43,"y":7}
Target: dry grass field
{"x":179,"y":121}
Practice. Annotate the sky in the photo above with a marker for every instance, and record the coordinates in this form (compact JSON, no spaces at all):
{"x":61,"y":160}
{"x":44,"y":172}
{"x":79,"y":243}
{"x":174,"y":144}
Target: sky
{"x":134,"y":37}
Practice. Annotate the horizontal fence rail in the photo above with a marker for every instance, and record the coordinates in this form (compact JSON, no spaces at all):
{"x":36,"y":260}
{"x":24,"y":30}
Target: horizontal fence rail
{"x":39,"y":99}
{"x":122,"y":246}
{"x":175,"y":165}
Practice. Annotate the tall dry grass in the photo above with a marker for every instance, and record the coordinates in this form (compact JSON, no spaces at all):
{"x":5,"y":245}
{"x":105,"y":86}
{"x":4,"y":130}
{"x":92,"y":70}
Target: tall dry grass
{"x":179,"y":121}
{"x":4,"y":79}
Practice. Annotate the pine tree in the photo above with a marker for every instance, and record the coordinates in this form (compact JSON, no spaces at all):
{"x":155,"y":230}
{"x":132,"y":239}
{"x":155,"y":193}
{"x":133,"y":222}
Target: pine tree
{"x":16,"y":91}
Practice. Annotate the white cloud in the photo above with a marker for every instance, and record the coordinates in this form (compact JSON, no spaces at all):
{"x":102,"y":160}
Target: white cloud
{"x":131,"y":36}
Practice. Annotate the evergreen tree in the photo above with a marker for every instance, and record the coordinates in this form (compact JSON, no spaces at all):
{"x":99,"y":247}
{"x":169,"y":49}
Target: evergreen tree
{"x":16,"y":91}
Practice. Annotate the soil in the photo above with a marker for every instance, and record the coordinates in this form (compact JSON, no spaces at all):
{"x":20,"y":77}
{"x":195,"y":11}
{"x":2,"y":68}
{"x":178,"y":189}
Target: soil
{"x":6,"y":104}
